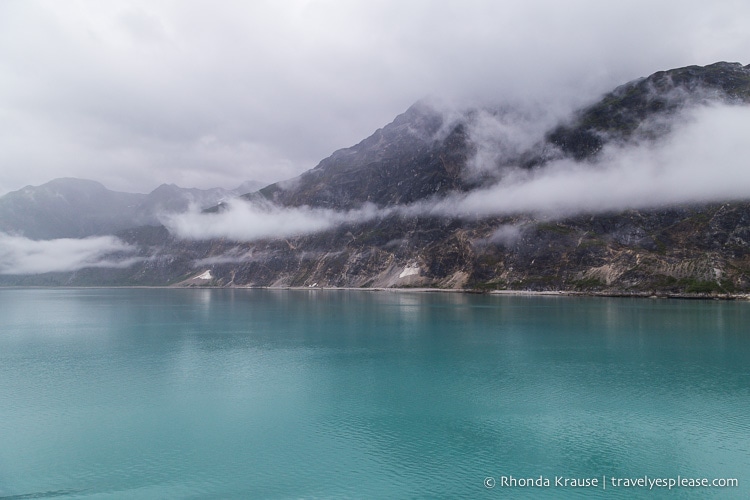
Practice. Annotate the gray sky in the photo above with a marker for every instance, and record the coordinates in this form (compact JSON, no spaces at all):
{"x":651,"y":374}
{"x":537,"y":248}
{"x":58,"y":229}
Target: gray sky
{"x":203,"y":94}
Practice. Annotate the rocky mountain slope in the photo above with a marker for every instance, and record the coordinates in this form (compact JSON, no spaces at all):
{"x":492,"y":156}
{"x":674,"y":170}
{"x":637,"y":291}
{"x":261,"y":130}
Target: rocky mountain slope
{"x":643,"y":108}
{"x":693,"y":248}
{"x":412,"y":158}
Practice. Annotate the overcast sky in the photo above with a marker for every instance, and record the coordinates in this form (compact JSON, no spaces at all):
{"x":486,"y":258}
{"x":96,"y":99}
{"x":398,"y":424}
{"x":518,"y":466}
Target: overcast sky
{"x":204,"y":93}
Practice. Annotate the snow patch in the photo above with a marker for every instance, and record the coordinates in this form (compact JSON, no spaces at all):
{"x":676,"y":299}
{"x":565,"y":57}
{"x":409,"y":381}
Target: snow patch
{"x":409,"y":271}
{"x":205,"y":276}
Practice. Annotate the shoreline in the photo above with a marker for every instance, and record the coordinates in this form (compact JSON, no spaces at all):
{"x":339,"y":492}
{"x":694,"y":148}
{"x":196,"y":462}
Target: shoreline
{"x":528,"y":293}
{"x":552,"y":293}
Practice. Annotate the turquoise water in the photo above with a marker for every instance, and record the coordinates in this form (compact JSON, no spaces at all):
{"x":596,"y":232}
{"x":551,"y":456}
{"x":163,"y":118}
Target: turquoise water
{"x":160,"y":393}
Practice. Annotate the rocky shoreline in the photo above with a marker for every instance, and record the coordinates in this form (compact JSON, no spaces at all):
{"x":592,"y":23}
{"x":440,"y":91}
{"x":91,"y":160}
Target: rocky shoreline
{"x":548,"y":293}
{"x":571,"y":293}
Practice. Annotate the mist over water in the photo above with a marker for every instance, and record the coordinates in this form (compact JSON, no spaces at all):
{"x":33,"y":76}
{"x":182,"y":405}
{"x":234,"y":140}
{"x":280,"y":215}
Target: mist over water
{"x":278,"y":394}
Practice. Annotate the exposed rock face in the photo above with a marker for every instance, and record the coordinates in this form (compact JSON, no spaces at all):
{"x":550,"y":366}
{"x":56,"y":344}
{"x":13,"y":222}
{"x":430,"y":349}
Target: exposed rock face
{"x":682,"y":249}
{"x":412,"y":158}
{"x":688,"y":249}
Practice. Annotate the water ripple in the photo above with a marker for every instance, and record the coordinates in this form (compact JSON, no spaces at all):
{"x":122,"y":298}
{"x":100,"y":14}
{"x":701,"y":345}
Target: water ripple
{"x":238,"y":394}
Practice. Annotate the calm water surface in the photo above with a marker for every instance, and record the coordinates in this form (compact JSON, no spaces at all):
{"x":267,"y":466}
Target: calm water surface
{"x":159,"y":393}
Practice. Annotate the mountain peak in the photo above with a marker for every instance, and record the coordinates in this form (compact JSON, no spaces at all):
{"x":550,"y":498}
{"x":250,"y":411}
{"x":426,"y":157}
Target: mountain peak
{"x":402,"y":162}
{"x":166,"y":188}
{"x":73,"y":183}
{"x":621,"y":114}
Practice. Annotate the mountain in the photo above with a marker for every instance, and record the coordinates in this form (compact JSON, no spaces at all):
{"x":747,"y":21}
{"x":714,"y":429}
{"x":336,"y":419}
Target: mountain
{"x":410,"y":159}
{"x":247,"y":187}
{"x":422,"y":154}
{"x":169,"y":198}
{"x":642,"y":108}
{"x":67,"y":208}
{"x":425,"y":158}
{"x":78,"y":208}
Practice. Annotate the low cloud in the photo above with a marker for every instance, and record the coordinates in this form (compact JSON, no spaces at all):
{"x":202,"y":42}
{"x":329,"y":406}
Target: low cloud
{"x":502,"y":135}
{"x":246,"y":221}
{"x":19,"y":255}
{"x":702,"y":160}
{"x":232,"y":256}
{"x":507,"y":234}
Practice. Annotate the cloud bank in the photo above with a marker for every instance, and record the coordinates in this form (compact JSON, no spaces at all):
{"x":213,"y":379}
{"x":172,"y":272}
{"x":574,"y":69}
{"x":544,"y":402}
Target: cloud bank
{"x":19,"y":255}
{"x":246,"y":221}
{"x":702,"y":160}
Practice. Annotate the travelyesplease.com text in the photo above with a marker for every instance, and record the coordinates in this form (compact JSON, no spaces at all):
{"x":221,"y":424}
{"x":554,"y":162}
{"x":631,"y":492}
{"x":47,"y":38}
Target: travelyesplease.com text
{"x":604,"y":482}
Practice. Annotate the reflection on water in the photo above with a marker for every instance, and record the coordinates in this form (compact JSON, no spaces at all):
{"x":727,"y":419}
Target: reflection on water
{"x":162,"y":393}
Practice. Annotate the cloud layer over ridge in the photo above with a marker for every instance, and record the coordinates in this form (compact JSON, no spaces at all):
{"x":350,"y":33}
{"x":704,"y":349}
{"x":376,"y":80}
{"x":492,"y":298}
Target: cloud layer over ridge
{"x":702,"y":160}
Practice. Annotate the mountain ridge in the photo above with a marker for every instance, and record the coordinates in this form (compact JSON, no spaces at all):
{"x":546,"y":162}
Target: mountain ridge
{"x":399,"y":163}
{"x":662,"y":93}
{"x":424,"y":157}
{"x":69,"y":207}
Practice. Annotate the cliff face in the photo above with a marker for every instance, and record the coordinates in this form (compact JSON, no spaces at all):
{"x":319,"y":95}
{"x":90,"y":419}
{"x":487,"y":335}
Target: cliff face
{"x":694,"y":248}
{"x":703,"y":249}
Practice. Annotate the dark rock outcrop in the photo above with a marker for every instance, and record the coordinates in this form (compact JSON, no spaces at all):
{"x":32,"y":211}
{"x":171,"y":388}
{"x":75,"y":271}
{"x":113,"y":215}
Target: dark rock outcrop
{"x":412,"y":158}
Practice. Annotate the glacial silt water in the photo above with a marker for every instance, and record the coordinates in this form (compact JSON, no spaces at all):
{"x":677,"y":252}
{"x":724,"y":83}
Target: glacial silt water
{"x":198,"y":393}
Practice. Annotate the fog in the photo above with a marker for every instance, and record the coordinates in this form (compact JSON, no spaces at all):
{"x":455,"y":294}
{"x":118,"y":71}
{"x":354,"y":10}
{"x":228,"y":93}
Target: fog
{"x":19,"y":255}
{"x":501,"y":135}
{"x":703,"y":159}
{"x":246,"y":221}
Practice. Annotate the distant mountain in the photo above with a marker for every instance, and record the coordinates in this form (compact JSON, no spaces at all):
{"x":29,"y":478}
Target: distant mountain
{"x":77,"y":208}
{"x":169,"y":198}
{"x":698,"y":248}
{"x":247,"y":187}
{"x":67,"y":208}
